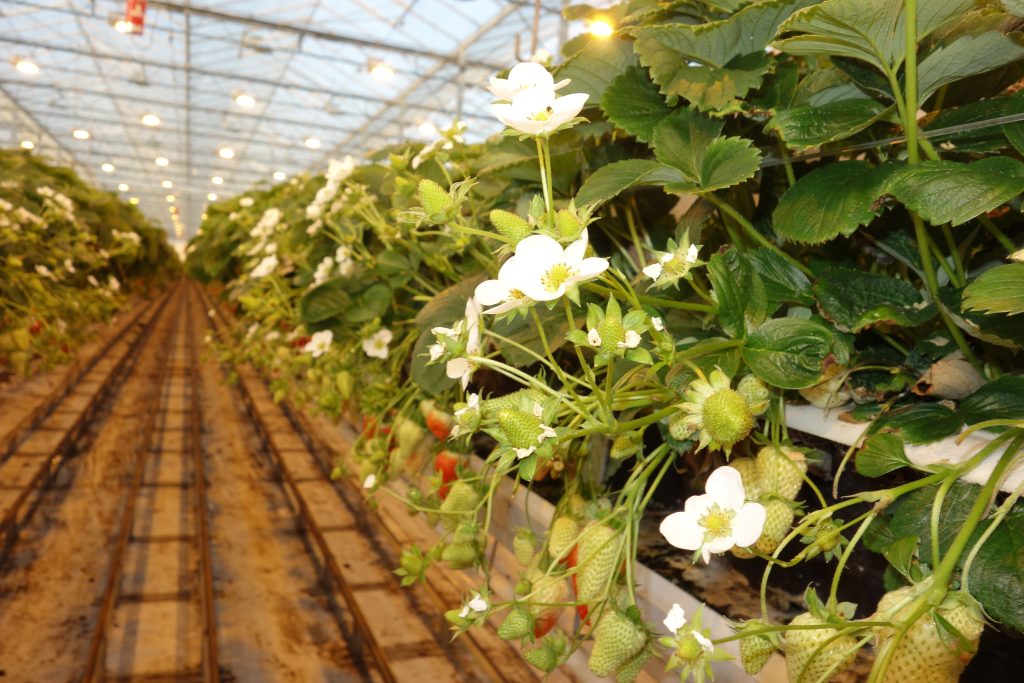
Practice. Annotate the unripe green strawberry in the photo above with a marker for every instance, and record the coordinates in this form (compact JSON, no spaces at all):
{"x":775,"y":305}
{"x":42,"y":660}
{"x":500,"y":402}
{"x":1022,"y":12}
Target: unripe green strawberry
{"x":727,"y":418}
{"x":781,"y":470}
{"x":927,"y":646}
{"x":517,"y":625}
{"x":562,"y":536}
{"x":598,"y":559}
{"x":523,"y":545}
{"x":568,"y":225}
{"x":460,"y":555}
{"x":408,"y":435}
{"x":778,"y":521}
{"x":543,"y":657}
{"x":755,"y":392}
{"x":750,"y":476}
{"x":521,"y":428}
{"x":611,"y":332}
{"x":802,"y":665}
{"x":462,"y":500}
{"x":510,"y":225}
{"x":628,"y":672}
{"x":625,"y":446}
{"x":680,"y":426}
{"x":492,"y":406}
{"x":756,"y":650}
{"x":617,"y":639}
{"x":435,"y":199}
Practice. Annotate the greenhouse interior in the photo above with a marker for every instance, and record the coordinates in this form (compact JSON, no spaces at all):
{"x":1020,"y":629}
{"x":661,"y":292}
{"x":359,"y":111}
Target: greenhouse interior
{"x":512,"y":341}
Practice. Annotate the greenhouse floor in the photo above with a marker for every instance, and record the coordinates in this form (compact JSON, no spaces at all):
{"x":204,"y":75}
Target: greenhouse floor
{"x":159,"y":523}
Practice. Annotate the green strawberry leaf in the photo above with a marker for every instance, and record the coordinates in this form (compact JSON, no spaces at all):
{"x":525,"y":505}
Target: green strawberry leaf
{"x":881,"y":453}
{"x":999,"y":290}
{"x":1000,"y":399}
{"x":712,"y":65}
{"x":633,"y":104}
{"x":689,"y":142}
{"x":325,"y":302}
{"x":593,"y":68}
{"x":611,"y":179}
{"x":831,"y":200}
{"x":954,"y":192}
{"x":854,"y":299}
{"x":788,"y":352}
{"x":814,"y":125}
{"x":966,"y":56}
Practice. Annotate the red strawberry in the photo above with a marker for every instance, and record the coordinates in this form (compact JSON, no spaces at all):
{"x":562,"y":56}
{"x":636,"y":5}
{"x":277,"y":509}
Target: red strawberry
{"x":445,"y":462}
{"x":36,"y":327}
{"x":544,"y":623}
{"x":438,"y":421}
{"x":299,"y":342}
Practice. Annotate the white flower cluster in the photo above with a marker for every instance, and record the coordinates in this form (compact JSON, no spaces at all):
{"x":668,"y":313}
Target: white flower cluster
{"x":342,"y":259}
{"x":263,"y":231}
{"x":59,"y":199}
{"x":337,"y":172}
{"x":446,"y":143}
{"x":128,"y":236}
{"x":528,"y":101}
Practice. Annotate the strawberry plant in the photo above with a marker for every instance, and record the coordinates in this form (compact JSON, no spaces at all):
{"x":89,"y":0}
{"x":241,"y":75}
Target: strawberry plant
{"x":723,"y":211}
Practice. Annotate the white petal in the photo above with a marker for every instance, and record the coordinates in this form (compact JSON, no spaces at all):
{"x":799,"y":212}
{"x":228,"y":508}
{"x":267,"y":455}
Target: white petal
{"x":719,"y":544}
{"x":594,"y":337}
{"x":539,"y":248}
{"x":698,"y":506}
{"x":657,"y":323}
{"x":691,"y":253}
{"x":524,"y":452}
{"x":653,"y":271}
{"x":748,"y":524}
{"x":591,"y":267}
{"x":682,"y":530}
{"x":675,"y":619}
{"x":491,"y":292}
{"x":456,"y":368}
{"x":725,"y":486}
{"x":631,"y":341}
{"x":569,"y":106}
{"x":370,"y":481}
{"x":575,"y":252}
{"x":529,"y":75}
{"x":478,"y":604}
{"x":705,"y":643}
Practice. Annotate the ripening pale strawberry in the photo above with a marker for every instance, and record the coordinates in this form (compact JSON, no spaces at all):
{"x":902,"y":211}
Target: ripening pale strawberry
{"x":492,"y":406}
{"x":927,"y":646}
{"x":562,"y":537}
{"x":755,"y":650}
{"x":680,"y":427}
{"x":617,"y":639}
{"x":628,"y":672}
{"x":749,"y":475}
{"x":547,"y":595}
{"x":755,"y":391}
{"x":778,"y":521}
{"x":598,"y":560}
{"x":781,"y":470}
{"x":524,"y":547}
{"x":517,"y":625}
{"x":435,"y":199}
{"x":510,"y":225}
{"x":408,"y":435}
{"x":799,"y":645}
{"x":625,"y":446}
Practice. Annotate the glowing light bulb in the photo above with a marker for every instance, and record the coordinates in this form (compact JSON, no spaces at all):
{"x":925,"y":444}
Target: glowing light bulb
{"x":133,"y":201}
{"x":26,"y":66}
{"x":151,"y":120}
{"x":280,"y":175}
{"x":312,"y":143}
{"x":212,"y":196}
{"x":28,"y":144}
{"x":382,"y":72}
{"x":161,"y":161}
{"x":171,"y":198}
{"x":107,"y":167}
{"x":217,"y":180}
{"x":245,"y":100}
{"x":226,"y":153}
{"x":80,"y":134}
{"x":123,"y":187}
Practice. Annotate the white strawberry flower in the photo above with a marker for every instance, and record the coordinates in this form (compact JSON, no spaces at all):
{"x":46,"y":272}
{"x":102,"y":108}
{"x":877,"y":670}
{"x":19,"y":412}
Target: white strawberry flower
{"x":323,"y":271}
{"x":114,"y":285}
{"x":718,"y":520}
{"x":69,"y":265}
{"x":45,"y":272}
{"x":376,"y":346}
{"x":370,"y":481}
{"x":477,"y":604}
{"x":653,"y":270}
{"x":265,"y":267}
{"x":538,"y":111}
{"x":91,"y":279}
{"x":594,"y":337}
{"x":343,"y":257}
{"x":462,"y":368}
{"x":319,"y":343}
{"x":501,"y":294}
{"x":658,"y":323}
{"x":675,"y":619}
{"x":542,"y":270}
{"x":524,"y":76}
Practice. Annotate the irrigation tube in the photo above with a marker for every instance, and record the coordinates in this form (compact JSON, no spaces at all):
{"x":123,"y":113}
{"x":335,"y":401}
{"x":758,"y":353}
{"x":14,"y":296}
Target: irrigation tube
{"x":949,"y":451}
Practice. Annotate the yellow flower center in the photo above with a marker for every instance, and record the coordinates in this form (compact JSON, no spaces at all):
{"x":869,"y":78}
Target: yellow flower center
{"x":556,"y":276}
{"x":717,"y":522}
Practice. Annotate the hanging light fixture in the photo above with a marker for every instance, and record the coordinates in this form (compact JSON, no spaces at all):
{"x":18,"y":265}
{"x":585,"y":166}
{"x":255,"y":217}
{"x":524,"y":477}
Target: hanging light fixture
{"x":312,"y":143}
{"x":161,"y":161}
{"x":226,"y":153}
{"x":80,"y":134}
{"x":381,"y":71}
{"x":217,"y":180}
{"x":151,"y":120}
{"x":123,"y":187}
{"x":28,"y":144}
{"x":245,"y":100}
{"x":26,"y":66}
{"x":280,"y":175}
{"x":107,"y":167}
{"x":166,"y":184}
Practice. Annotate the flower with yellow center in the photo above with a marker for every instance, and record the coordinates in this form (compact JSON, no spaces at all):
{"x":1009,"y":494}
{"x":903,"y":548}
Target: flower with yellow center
{"x":718,"y":520}
{"x":721,"y":416}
